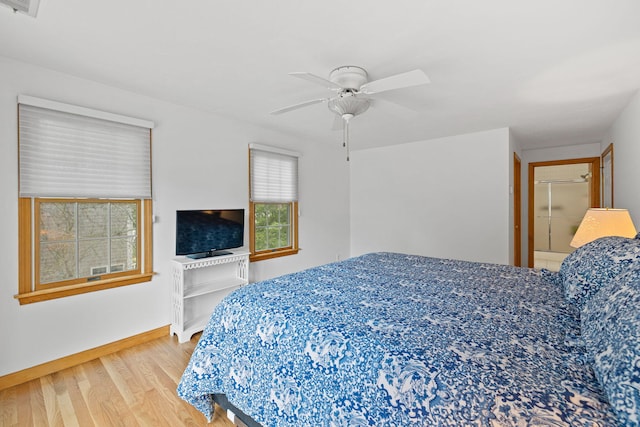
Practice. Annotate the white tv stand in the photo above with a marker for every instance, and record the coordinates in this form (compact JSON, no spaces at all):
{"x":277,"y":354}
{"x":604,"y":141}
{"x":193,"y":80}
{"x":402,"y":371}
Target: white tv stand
{"x":199,"y":285}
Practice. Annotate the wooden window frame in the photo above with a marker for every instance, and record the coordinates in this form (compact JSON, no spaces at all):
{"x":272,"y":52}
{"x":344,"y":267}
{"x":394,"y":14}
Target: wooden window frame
{"x":27,"y":291}
{"x":277,"y":252}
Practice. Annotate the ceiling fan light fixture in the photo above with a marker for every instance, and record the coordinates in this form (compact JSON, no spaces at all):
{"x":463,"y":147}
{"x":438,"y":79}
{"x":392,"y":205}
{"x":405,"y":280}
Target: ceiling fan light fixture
{"x":349,"y":105}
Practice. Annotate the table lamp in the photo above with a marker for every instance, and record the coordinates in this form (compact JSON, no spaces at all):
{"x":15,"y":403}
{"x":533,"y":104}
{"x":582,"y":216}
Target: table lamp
{"x":601,"y":222}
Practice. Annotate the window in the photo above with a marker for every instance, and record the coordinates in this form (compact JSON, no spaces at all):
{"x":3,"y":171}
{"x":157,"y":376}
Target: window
{"x":272,"y":226}
{"x":273,"y":202}
{"x":85,"y":239}
{"x":84,"y":200}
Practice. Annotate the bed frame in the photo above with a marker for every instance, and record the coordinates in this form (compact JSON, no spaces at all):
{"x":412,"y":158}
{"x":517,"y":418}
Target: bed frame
{"x":235,"y":415}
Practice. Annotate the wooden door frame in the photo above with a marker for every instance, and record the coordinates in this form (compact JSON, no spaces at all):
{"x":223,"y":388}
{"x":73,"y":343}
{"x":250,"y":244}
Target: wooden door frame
{"x":607,"y":151}
{"x":517,"y":210}
{"x":595,"y":191}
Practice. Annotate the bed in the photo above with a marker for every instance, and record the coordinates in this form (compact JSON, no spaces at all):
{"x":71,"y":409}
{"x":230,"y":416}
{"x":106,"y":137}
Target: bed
{"x":395,"y":339}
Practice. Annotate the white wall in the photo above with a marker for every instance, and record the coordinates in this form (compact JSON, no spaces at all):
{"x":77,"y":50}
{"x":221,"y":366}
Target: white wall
{"x":446,"y":197}
{"x":625,"y":135}
{"x":544,"y":155}
{"x":199,"y":161}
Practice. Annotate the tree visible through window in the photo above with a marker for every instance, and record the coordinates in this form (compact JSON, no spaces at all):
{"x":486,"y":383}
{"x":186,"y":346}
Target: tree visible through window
{"x":272,"y":226}
{"x":79,"y":239}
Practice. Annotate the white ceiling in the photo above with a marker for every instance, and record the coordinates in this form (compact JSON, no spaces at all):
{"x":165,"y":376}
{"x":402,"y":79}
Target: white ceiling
{"x":557,"y":72}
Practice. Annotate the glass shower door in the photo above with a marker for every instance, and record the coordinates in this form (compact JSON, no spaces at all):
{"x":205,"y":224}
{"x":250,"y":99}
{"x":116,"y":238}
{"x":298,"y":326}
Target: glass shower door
{"x":562,"y":194}
{"x":560,"y":208}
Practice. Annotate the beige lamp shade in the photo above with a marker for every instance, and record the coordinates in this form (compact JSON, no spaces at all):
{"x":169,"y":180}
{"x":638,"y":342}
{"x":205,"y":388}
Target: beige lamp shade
{"x":603,"y":222}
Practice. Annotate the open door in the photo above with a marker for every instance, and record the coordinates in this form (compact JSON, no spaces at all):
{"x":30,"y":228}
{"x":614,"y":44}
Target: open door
{"x":560,"y":192}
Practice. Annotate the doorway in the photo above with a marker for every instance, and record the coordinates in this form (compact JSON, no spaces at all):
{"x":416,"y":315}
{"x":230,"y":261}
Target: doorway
{"x":560,"y":192}
{"x":517,"y":211}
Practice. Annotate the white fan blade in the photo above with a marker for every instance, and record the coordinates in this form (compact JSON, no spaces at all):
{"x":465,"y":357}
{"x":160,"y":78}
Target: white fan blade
{"x":300,"y":105}
{"x":398,"y":81}
{"x":399,"y":109}
{"x":316,"y":79}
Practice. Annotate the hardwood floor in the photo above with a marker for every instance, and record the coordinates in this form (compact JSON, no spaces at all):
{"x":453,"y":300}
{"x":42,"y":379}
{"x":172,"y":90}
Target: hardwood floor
{"x":133,"y":387}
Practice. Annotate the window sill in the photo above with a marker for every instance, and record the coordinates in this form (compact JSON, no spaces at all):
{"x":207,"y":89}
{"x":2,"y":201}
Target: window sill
{"x":82,"y":288}
{"x":261,"y":256}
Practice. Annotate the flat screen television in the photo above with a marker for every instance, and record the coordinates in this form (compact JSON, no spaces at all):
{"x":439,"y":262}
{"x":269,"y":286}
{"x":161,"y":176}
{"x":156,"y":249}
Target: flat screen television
{"x":205,"y":233}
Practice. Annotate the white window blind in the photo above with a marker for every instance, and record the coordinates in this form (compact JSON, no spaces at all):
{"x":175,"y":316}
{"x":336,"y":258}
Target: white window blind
{"x":64,"y":154}
{"x":274,"y":175}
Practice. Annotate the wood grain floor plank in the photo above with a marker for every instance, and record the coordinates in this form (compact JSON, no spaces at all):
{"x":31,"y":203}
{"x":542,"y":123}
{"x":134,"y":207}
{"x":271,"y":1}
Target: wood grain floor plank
{"x":38,"y":415}
{"x":167,"y":387}
{"x":67,"y":411}
{"x":168,"y":361}
{"x":163,"y":385}
{"x":120,"y":375}
{"x":23,"y":404}
{"x":72,"y":378}
{"x":132,"y":387}
{"x":9,"y":410}
{"x":105,"y":394}
{"x":64,"y":406}
{"x":54,"y":416}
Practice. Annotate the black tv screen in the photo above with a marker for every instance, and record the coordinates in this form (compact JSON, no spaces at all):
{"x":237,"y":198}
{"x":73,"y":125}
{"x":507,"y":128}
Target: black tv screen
{"x":201,"y":233}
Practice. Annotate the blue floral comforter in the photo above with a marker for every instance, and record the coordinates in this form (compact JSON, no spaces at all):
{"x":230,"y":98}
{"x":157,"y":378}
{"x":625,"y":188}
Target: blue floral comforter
{"x":390,"y":339}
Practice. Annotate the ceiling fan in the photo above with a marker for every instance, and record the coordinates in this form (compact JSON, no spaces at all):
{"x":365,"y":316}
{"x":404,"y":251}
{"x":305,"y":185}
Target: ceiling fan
{"x":353,"y":91}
